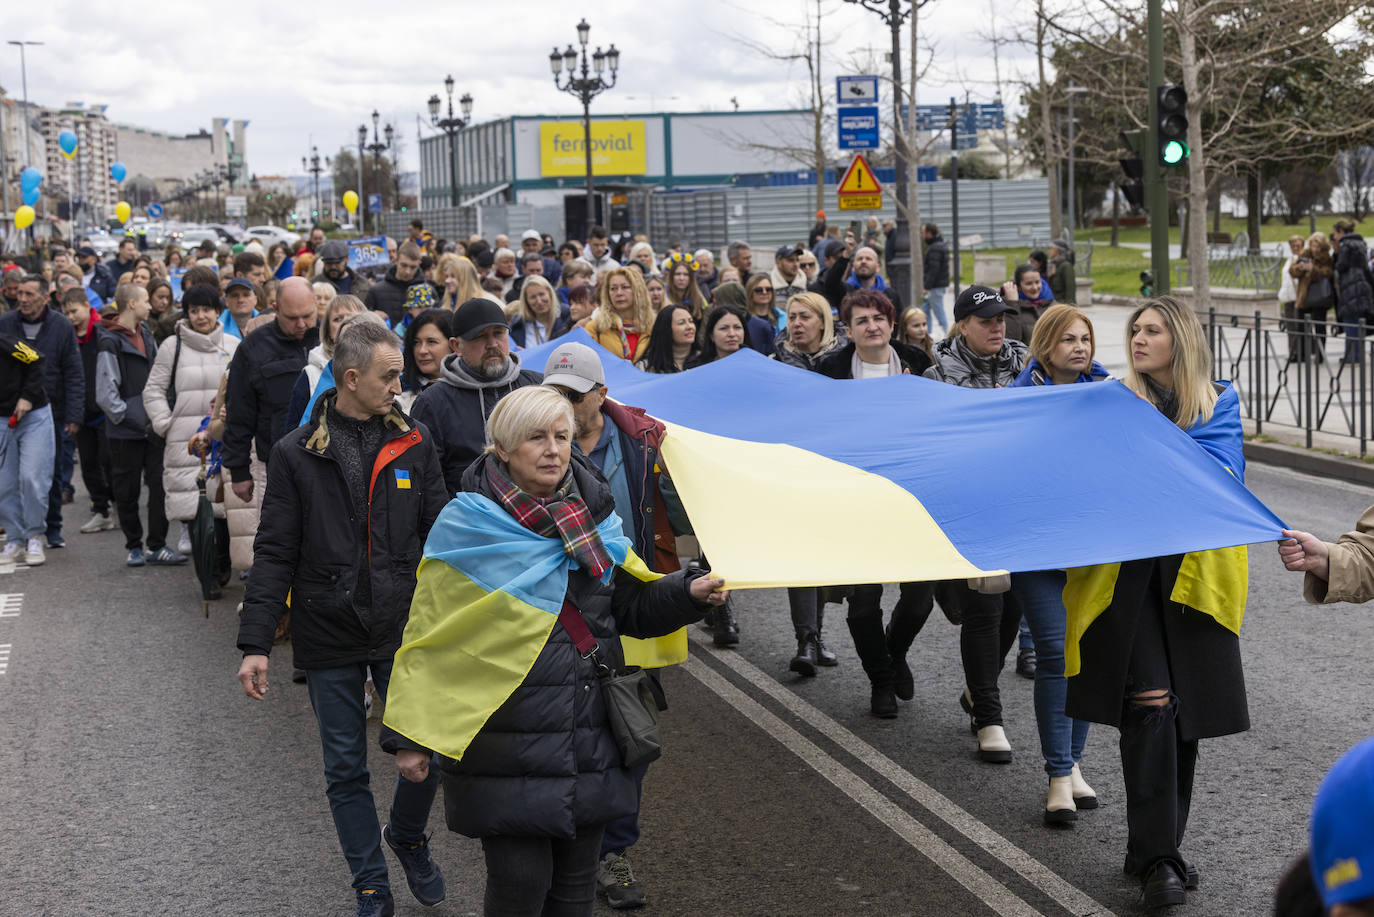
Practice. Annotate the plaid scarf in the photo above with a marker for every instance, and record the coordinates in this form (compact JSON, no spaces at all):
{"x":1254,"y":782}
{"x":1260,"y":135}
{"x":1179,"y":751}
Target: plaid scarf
{"x":564,"y":515}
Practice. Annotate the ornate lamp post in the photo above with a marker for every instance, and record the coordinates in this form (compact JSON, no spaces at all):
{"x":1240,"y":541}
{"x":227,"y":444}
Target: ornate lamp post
{"x":314,"y":168}
{"x":586,"y":87}
{"x":376,"y":148}
{"x":451,"y":126}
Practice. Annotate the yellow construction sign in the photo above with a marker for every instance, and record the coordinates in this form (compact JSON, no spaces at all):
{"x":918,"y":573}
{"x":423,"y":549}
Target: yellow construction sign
{"x":859,"y":189}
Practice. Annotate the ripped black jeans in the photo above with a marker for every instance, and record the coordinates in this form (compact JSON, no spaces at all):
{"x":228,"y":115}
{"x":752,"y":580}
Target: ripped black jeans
{"x":1156,"y":763}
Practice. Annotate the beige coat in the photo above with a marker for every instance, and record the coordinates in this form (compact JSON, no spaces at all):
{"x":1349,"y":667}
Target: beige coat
{"x":1351,"y":577}
{"x":242,"y":517}
{"x":199,"y":368}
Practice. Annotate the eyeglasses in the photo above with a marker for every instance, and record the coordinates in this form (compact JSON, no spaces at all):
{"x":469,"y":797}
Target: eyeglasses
{"x":806,"y":264}
{"x":763,"y":289}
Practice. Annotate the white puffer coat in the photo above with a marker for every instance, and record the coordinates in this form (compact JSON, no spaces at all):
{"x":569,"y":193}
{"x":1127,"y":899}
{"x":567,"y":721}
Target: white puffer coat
{"x":202,"y":362}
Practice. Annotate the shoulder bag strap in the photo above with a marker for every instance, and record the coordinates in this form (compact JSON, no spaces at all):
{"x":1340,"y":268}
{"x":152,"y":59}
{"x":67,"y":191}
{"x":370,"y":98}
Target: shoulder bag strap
{"x":571,"y":619}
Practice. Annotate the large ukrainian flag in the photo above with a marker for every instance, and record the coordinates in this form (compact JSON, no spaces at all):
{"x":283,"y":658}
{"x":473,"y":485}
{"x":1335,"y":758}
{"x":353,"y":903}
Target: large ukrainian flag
{"x":487,"y":595}
{"x":794,"y":479}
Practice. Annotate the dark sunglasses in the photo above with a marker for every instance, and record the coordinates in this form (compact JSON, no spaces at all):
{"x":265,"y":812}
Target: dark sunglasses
{"x":576,"y":397}
{"x":763,"y":289}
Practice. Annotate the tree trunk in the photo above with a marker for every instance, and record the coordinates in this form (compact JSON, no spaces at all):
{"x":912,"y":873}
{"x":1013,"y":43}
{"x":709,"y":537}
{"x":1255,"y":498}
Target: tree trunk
{"x":1254,"y":208}
{"x":1197,"y":177}
{"x":1047,"y":123}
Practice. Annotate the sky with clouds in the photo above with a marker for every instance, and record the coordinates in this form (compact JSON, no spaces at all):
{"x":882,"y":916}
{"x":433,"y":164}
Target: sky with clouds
{"x":303,"y":73}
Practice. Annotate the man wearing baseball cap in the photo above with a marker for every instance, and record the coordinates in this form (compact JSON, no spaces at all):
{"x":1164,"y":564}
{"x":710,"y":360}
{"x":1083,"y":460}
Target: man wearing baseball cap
{"x":531,"y":242}
{"x":479,"y":372}
{"x":241,"y":297}
{"x":623,"y":442}
{"x":788,"y":280}
{"x":336,"y":272}
{"x":95,"y":276}
{"x":980,"y":355}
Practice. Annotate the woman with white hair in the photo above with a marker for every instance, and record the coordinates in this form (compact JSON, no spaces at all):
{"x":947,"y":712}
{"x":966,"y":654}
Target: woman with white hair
{"x":526,"y":753}
{"x":643,"y":253}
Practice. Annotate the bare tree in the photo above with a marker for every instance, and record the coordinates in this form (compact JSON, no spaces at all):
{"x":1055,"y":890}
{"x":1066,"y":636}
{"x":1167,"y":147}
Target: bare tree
{"x":1356,"y":171}
{"x":1049,"y":136}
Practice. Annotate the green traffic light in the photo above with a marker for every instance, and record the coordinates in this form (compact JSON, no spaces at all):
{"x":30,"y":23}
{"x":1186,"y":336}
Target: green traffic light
{"x":1174,"y":152}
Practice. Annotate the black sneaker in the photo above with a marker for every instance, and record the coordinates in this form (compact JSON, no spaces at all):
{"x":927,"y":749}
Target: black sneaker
{"x":616,"y":881}
{"x":422,"y":873}
{"x":1025,"y":663}
{"x":372,"y":903}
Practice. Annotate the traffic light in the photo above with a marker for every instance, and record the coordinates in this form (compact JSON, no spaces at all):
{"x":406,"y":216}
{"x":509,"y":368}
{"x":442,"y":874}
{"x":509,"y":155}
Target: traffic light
{"x":1134,"y":167}
{"x":269,"y":195}
{"x":1171,"y":123}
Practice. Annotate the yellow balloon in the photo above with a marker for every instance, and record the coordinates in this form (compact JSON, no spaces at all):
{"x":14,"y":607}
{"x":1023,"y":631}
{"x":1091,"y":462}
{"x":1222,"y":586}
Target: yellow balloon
{"x":350,"y":199}
{"x":23,"y":217}
{"x":122,"y":211}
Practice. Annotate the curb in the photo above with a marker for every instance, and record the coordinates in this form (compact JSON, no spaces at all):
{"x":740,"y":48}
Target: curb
{"x":1305,"y":460}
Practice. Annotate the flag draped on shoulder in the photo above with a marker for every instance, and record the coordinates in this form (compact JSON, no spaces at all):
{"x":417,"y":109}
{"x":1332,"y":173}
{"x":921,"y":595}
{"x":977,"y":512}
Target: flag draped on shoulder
{"x":487,"y":596}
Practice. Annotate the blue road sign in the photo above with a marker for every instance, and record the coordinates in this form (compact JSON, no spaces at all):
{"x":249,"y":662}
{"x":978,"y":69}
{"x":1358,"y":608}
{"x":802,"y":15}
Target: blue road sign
{"x":856,"y":90}
{"x":859,"y":127}
{"x":155,"y":210}
{"x":374,"y":203}
{"x":927,"y":173}
{"x":970,"y":118}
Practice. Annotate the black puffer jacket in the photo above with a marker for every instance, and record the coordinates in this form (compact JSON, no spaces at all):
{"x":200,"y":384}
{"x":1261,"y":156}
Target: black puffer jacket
{"x":456,"y":409}
{"x":1354,"y":283}
{"x":261,"y":377}
{"x":307,"y":544}
{"x":545,"y":764}
{"x":389,"y":294}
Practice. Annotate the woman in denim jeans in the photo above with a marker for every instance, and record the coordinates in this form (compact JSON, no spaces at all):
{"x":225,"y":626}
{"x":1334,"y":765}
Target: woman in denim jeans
{"x":1062,"y":348}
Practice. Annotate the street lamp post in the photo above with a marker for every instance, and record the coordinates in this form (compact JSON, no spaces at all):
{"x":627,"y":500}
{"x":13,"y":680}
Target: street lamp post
{"x":376,"y":148}
{"x":899,"y":266}
{"x":315,"y":169}
{"x":362,"y":191}
{"x":451,"y":126}
{"x":586,"y":87}
{"x":24,"y":78}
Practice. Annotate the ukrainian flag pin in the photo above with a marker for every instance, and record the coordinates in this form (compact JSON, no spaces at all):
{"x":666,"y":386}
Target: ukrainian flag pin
{"x":402,"y":479}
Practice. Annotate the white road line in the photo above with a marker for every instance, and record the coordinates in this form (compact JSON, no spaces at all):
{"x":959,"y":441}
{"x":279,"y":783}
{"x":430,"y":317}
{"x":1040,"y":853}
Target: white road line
{"x":11,"y":604}
{"x":4,"y":657}
{"x":988,"y":890}
{"x":1029,"y":868}
{"x":1316,"y":480}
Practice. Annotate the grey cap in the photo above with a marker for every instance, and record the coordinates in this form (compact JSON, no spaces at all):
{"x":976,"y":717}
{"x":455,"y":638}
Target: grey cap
{"x":575,"y":366}
{"x":334,"y":250}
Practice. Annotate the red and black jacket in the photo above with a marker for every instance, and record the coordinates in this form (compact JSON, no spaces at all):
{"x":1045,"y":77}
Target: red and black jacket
{"x":307,"y":544}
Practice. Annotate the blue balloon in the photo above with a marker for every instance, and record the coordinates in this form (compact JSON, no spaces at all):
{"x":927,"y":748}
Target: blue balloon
{"x":30,"y":179}
{"x":67,"y":142}
{"x":31,"y":196}
{"x":117,"y":171}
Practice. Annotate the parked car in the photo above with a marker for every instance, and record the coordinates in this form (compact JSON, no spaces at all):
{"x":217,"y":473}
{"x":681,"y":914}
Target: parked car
{"x":191,"y":238}
{"x":227,"y":233}
{"x":271,"y":235}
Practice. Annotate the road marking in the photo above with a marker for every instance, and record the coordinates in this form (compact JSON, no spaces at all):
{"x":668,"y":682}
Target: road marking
{"x":11,"y":604}
{"x":988,"y":890}
{"x":4,"y":658}
{"x":1315,"y":479}
{"x":1029,"y":868}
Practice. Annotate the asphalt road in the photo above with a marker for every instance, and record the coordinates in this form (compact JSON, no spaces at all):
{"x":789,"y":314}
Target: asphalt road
{"x":137,"y":779}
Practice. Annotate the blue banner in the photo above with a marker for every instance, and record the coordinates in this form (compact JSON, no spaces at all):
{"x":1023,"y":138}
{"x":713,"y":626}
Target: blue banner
{"x":367,"y":253}
{"x":174,"y":278}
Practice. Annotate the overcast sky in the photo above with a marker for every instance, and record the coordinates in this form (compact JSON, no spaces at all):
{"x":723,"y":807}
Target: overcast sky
{"x":300,"y":76}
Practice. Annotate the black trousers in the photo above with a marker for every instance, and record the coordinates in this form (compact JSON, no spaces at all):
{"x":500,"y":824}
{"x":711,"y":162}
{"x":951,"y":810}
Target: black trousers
{"x":1156,"y":763}
{"x":94,"y":450}
{"x":871,"y":639}
{"x":988,"y":632}
{"x":130,"y":460}
{"x":541,"y":876}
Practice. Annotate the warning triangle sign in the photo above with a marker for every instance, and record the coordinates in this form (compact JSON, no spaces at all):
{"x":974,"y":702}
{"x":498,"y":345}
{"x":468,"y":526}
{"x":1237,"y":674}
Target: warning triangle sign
{"x":859,"y":178}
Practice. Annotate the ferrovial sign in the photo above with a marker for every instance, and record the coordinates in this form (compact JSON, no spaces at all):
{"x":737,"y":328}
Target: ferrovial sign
{"x":617,"y":148}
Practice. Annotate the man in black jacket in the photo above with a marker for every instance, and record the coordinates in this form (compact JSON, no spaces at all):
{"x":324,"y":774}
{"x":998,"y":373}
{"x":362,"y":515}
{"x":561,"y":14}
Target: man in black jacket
{"x":935,"y":276}
{"x":479,"y":372}
{"x":95,"y":276}
{"x":26,"y":449}
{"x":261,"y":376}
{"x":388,"y":295}
{"x":49,"y":332}
{"x":856,"y":268}
{"x":350,"y":499}
{"x":334,"y":256}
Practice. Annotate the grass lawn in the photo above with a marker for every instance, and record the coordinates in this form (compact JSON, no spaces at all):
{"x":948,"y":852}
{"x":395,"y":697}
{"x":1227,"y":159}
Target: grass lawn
{"x":1117,"y":270}
{"x":1273,"y":230}
{"x":1114,"y":270}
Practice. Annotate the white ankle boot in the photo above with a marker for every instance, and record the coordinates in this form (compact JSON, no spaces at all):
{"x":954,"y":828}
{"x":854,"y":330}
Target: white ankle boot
{"x":1084,"y":797}
{"x":993,"y":746}
{"x":1059,"y":808}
